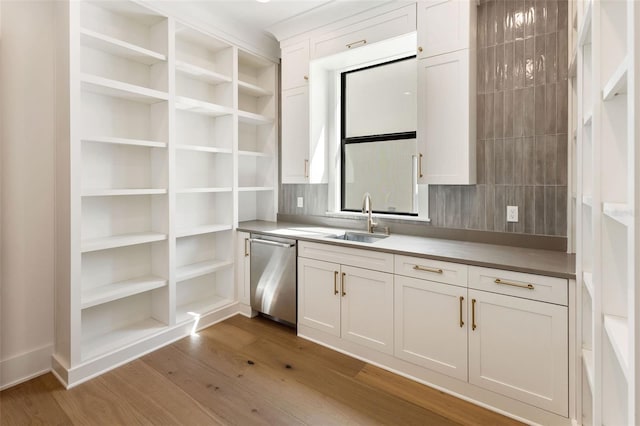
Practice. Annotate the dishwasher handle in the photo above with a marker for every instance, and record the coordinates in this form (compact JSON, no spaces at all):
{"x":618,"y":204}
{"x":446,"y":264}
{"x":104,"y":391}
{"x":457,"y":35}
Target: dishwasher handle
{"x":271,"y":243}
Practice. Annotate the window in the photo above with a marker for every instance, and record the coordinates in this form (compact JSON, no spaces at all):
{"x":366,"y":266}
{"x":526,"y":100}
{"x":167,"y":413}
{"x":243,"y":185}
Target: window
{"x":378,"y":121}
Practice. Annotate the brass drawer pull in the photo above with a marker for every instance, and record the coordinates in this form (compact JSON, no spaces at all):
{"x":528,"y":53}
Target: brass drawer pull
{"x":420,"y":166}
{"x":427,"y":269}
{"x":246,"y":248}
{"x":344,"y":293}
{"x":306,"y":77}
{"x":306,"y":168}
{"x":350,"y":45}
{"x":473,"y":314}
{"x":461,"y":321}
{"x":527,"y":286}
{"x":335,"y":282}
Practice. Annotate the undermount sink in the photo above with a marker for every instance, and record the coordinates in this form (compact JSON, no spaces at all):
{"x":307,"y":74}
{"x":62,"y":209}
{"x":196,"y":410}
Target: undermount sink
{"x":360,"y":237}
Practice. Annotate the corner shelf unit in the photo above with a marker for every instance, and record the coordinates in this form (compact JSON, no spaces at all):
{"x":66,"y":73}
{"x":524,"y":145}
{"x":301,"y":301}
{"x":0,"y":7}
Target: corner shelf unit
{"x":607,"y":102}
{"x":168,"y":138}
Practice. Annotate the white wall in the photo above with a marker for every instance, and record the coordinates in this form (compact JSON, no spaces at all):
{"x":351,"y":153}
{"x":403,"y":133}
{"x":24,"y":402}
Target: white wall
{"x":27,"y":155}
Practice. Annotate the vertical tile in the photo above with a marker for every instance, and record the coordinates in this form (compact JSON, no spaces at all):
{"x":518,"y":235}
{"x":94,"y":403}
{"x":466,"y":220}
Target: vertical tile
{"x":550,"y":210}
{"x":539,"y":60}
{"x":529,"y":160}
{"x":482,"y":25}
{"x":528,"y":99}
{"x":563,"y":53}
{"x":441,"y":205}
{"x":539,"y":157}
{"x":498,"y":115}
{"x":529,"y":213}
{"x":562,"y":144}
{"x":550,"y":160}
{"x":539,"y":206}
{"x":529,"y":62}
{"x":508,"y":66}
{"x":540,"y":17}
{"x":453,"y":206}
{"x":500,"y":68}
{"x":519,"y":20}
{"x":519,"y":64}
{"x":491,"y":18}
{"x":465,"y":209}
{"x":482,"y":74}
{"x":509,"y":200}
{"x":518,"y":161}
{"x":509,"y":161}
{"x":551,"y":50}
{"x":540,"y":124}
{"x":550,"y":116}
{"x":518,"y":113}
{"x":491,"y":69}
{"x":552,"y":16}
{"x":500,"y":209}
{"x":499,"y":11}
{"x":489,"y":204}
{"x":563,"y":15}
{"x":433,"y":208}
{"x":561,"y":210}
{"x":498,"y":163}
{"x":507,"y":22}
{"x":519,"y":191}
{"x":477,"y":214}
{"x":508,"y":114}
{"x":480,"y":122}
{"x":562,"y":103}
{"x":529,"y":18}
{"x":480,"y":162}
{"x":488,"y":116}
{"x":490,"y":177}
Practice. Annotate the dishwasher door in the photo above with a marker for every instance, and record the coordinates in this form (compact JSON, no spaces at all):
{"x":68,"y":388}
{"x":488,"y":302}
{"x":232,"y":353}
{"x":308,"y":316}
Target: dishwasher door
{"x":273,"y":277}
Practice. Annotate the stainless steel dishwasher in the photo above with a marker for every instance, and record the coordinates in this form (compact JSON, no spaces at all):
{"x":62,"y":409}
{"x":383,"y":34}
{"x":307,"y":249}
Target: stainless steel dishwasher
{"x":273,"y":277}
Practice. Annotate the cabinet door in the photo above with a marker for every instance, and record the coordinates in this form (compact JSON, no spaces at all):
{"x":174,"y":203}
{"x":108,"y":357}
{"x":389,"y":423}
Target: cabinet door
{"x":519,"y":348}
{"x":430,"y":325}
{"x":295,"y":65}
{"x":295,"y":135}
{"x":243,"y":263}
{"x":367,"y":308}
{"x":446,"y":119}
{"x":445,"y":26}
{"x":319,"y":295}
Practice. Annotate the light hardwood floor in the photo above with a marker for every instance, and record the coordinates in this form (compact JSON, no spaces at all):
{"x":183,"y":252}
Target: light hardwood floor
{"x":241,"y":371}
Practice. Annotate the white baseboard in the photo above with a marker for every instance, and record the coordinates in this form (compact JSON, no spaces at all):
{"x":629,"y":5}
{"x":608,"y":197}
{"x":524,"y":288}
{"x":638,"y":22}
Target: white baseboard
{"x":25,"y":366}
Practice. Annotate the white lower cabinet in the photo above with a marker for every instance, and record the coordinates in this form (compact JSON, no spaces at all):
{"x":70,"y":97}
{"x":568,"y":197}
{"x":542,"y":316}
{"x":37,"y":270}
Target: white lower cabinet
{"x":431,"y":325}
{"x":519,"y":348}
{"x":243,"y":267}
{"x":352,"y":303}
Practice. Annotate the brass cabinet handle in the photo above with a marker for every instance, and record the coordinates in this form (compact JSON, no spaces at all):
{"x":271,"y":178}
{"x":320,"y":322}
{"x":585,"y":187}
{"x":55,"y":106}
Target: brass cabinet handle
{"x":306,"y":168}
{"x":427,"y":269}
{"x":306,"y":77}
{"x":512,"y":284}
{"x":344,"y":293}
{"x":420,"y":166}
{"x":335,"y":282}
{"x":419,"y":48}
{"x":350,"y":45}
{"x":461,"y":321}
{"x":473,"y":314}
{"x":246,"y":248}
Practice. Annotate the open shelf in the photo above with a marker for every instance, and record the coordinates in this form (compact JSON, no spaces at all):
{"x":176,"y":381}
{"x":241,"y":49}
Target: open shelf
{"x":253,"y":90}
{"x":619,"y":212}
{"x":252,"y":118}
{"x":119,"y":192}
{"x":202,"y":74}
{"x":587,"y":362}
{"x":254,"y":154}
{"x":198,"y":269}
{"x":193,"y":310}
{"x":204,"y":229}
{"x":584,"y":33}
{"x":201,"y":107}
{"x":203,"y":190}
{"x":118,"y":89}
{"x":617,"y":329}
{"x":114,"y":46}
{"x":116,"y":241}
{"x":201,"y":148}
{"x":588,"y":118}
{"x":587,"y":278}
{"x":617,"y":83}
{"x":125,"y":141}
{"x":110,"y":292}
{"x":587,"y":200}
{"x":255,"y":188}
{"x":113,"y":339}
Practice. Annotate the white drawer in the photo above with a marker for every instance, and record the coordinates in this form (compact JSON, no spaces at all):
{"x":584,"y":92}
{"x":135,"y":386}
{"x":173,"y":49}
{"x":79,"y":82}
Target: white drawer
{"x":433,"y":270}
{"x":356,"y":34}
{"x":528,"y":286}
{"x":367,"y":259}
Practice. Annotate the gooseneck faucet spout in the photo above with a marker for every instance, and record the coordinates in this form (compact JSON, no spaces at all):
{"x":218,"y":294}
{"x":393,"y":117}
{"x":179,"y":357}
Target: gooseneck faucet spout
{"x":366,"y":208}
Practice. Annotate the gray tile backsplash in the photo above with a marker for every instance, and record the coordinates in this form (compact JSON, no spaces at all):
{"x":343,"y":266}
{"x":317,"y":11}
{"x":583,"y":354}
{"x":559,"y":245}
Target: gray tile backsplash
{"x":521,"y":128}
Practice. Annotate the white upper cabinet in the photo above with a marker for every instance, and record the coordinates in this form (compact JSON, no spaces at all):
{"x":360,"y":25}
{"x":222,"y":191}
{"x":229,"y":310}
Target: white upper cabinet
{"x":295,"y":135}
{"x":295,"y":65}
{"x":445,"y":26}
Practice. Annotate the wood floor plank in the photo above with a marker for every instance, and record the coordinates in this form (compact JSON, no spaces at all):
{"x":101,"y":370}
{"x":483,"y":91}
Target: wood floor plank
{"x":215,"y":391}
{"x":31,"y":403}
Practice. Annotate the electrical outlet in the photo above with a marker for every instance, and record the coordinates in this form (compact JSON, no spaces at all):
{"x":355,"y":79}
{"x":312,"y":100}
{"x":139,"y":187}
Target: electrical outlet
{"x":512,"y":213}
{"x":300,"y":202}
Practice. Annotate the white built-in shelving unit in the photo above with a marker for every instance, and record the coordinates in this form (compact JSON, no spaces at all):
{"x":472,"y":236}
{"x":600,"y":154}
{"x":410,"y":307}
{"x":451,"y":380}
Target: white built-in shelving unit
{"x":604,"y":88}
{"x":168,"y":139}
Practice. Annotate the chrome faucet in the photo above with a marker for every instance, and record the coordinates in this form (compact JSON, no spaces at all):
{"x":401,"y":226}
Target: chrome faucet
{"x":366,"y":206}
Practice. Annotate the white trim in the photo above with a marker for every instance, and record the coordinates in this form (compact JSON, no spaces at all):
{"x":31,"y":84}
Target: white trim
{"x":25,"y":366}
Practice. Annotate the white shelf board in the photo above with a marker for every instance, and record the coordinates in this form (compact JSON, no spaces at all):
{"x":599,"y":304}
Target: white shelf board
{"x":119,"y":290}
{"x":125,"y":141}
{"x":255,"y":119}
{"x":118,"y":192}
{"x":254,"y":154}
{"x":587,"y":358}
{"x":588,"y":118}
{"x":619,"y":212}
{"x":119,"y":89}
{"x":201,"y":107}
{"x":255,"y":188}
{"x":115,"y":241}
{"x":192,"y":311}
{"x":584,"y":33}
{"x":617,"y":329}
{"x":106,"y":342}
{"x":587,"y":200}
{"x":119,"y":47}
{"x":198,"y":230}
{"x":252,"y":89}
{"x":198,"y":269}
{"x":203,"y":190}
{"x":587,"y":278}
{"x":202,"y":148}
{"x":201,"y":74}
{"x":617,"y":83}
{"x":573,"y":64}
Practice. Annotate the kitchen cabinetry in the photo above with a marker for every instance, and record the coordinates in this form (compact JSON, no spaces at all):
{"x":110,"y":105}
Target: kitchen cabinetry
{"x":295,"y":135}
{"x":445,"y":26}
{"x":243,"y":267}
{"x":353,"y":303}
{"x":295,"y":65}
